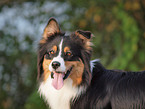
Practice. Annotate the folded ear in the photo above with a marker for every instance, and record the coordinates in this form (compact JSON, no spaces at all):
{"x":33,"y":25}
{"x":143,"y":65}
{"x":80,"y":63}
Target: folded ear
{"x":51,"y":28}
{"x":84,"y":35}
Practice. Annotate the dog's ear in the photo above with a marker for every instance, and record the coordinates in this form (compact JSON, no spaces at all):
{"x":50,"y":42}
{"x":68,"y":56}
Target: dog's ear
{"x":84,"y":35}
{"x":51,"y":28}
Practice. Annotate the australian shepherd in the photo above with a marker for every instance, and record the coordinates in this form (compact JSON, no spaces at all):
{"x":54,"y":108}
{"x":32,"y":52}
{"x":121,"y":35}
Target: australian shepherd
{"x":69,"y":80}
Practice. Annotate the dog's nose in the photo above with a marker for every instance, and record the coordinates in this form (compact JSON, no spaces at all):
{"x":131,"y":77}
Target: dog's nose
{"x":55,"y":65}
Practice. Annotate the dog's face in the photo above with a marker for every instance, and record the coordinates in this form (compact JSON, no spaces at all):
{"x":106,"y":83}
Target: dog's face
{"x":61,"y":57}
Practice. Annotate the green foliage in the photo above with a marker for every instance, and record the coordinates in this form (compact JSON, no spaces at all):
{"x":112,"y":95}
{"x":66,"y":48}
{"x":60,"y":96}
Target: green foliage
{"x":18,"y":67}
{"x":130,"y":37}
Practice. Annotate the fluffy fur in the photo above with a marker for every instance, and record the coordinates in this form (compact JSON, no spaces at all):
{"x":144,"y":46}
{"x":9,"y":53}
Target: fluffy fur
{"x":69,"y":80}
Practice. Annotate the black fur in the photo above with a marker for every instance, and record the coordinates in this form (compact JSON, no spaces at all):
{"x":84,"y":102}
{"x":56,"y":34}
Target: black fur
{"x":112,"y":89}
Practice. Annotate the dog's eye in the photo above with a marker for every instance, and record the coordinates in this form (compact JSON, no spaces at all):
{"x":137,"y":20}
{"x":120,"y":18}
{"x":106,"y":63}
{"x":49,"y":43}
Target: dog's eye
{"x":51,"y":52}
{"x":68,"y":53}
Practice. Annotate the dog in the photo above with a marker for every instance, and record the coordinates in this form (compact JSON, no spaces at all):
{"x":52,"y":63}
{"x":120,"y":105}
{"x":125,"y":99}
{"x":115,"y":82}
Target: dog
{"x":69,"y":80}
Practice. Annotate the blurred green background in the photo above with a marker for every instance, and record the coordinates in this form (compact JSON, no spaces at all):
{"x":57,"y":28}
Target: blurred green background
{"x":119,"y":42}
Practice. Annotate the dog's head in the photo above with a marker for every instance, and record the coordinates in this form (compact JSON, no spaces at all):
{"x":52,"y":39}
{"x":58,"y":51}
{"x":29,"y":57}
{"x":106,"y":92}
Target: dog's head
{"x":61,"y":57}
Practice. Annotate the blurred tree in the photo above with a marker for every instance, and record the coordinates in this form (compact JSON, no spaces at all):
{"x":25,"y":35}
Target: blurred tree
{"x":118,"y":27}
{"x":17,"y":69}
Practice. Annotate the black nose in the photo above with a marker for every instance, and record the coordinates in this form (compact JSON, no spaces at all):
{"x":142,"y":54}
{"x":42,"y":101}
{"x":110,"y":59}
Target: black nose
{"x":55,"y":64}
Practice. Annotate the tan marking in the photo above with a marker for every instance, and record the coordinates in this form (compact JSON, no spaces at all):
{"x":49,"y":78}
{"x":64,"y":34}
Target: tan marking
{"x":46,"y":63}
{"x":66,"y":49}
{"x":54,"y":48}
{"x":77,"y":71}
{"x":42,"y":41}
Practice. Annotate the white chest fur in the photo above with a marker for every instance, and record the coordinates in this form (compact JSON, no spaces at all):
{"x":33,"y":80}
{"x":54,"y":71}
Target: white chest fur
{"x":59,"y":99}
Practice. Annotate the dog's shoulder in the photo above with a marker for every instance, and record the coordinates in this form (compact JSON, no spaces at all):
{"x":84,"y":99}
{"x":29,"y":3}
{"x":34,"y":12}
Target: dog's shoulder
{"x":108,"y":86}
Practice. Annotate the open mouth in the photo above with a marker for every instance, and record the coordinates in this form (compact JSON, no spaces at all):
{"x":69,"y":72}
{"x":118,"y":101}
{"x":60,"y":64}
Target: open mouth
{"x":59,"y":77}
{"x":66,"y":74}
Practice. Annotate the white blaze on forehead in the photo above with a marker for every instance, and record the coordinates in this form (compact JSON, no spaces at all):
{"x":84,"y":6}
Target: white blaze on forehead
{"x":58,"y":59}
{"x":60,"y":48}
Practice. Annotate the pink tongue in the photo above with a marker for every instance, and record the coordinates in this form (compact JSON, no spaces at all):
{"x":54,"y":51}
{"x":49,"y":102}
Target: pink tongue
{"x":57,"y":82}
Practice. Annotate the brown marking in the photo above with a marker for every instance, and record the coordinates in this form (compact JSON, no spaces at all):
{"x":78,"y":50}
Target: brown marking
{"x":77,"y":71}
{"x":42,"y":41}
{"x":46,"y":63}
{"x":66,"y":49}
{"x":54,"y":48}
